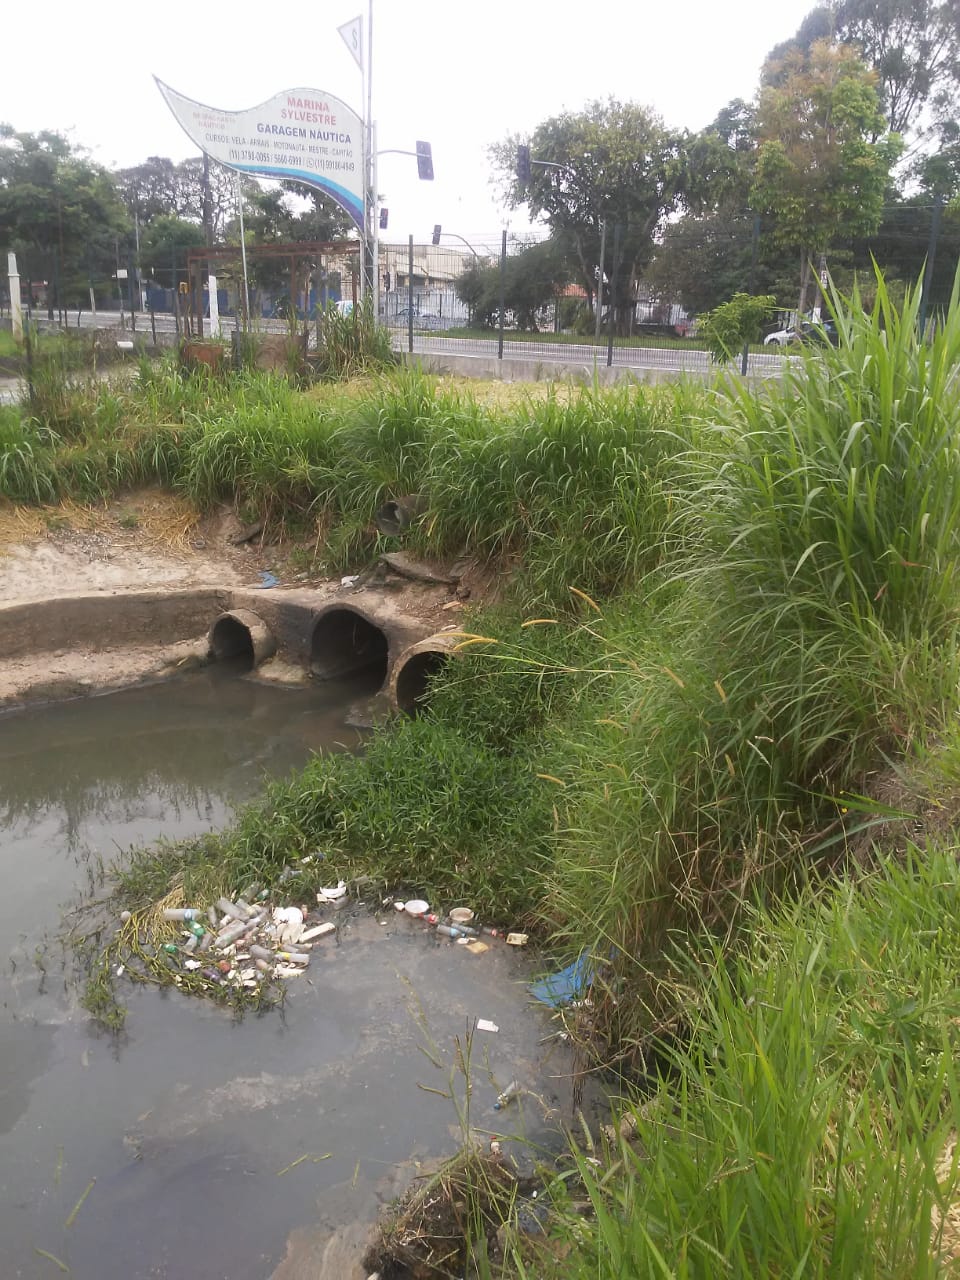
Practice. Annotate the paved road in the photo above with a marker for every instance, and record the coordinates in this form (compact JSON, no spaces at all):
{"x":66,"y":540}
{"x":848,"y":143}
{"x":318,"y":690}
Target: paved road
{"x":677,"y":359}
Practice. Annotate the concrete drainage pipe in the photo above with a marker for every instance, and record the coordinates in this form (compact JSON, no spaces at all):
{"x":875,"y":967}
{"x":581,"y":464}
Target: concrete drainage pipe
{"x":345,"y":642}
{"x":415,"y":668}
{"x":241,"y":634}
{"x":396,"y":516}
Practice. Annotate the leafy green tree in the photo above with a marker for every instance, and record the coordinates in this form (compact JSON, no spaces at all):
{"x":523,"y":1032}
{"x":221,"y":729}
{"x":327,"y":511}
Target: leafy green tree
{"x":164,"y":243}
{"x":613,"y":162}
{"x":532,"y":279}
{"x":58,"y":210}
{"x":729,"y":327}
{"x":824,"y":158}
{"x":913,"y":45}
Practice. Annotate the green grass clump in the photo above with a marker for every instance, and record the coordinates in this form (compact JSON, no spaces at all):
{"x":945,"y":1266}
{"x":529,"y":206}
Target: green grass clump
{"x":808,"y":1126}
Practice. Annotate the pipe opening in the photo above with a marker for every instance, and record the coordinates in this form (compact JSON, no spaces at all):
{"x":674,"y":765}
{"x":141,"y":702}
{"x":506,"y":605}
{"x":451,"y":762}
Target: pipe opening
{"x":396,"y":515}
{"x":232,"y":641}
{"x":346,"y":643}
{"x":415,"y":677}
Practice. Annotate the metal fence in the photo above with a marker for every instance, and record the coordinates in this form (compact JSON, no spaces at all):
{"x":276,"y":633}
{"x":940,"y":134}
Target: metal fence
{"x":479,"y":295}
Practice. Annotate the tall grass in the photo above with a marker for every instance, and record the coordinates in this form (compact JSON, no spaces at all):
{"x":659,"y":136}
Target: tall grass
{"x":808,"y":1127}
{"x":801,"y":636}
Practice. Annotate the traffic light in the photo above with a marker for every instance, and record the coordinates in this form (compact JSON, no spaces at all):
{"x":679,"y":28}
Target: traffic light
{"x":384,"y":218}
{"x":523,"y":163}
{"x":436,"y":233}
{"x":425,"y":161}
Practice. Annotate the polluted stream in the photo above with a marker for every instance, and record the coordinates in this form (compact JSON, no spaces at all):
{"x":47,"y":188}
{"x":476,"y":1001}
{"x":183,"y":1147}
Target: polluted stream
{"x":195,"y":1146}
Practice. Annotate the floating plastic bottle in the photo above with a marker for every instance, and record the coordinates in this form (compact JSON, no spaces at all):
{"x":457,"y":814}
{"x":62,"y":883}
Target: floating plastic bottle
{"x":212,"y":917}
{"x":261,"y":953}
{"x":490,"y":931}
{"x":170,"y":948}
{"x":191,"y":944}
{"x":513,"y":1090}
{"x":449,"y":931}
{"x":231,"y":909}
{"x":182,"y":913}
{"x":293,"y":957}
{"x":232,"y":933}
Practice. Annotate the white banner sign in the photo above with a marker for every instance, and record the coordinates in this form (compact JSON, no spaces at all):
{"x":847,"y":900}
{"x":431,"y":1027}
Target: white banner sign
{"x":300,"y":135}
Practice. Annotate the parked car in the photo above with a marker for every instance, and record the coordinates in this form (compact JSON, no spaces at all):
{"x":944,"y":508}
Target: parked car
{"x":421,"y":320}
{"x":824,"y":331}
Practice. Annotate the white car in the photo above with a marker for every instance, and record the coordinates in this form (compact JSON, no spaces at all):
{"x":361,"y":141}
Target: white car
{"x":782,"y":338}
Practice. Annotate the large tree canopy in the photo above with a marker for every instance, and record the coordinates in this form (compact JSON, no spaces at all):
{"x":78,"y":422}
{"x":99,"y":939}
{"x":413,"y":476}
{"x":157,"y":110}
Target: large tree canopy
{"x":58,"y":209}
{"x":613,"y":162}
{"x":912,"y":45}
{"x":823,"y":161}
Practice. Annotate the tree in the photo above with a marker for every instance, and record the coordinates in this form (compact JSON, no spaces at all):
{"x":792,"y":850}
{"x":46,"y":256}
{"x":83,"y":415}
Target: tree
{"x":532,"y":278}
{"x":59,"y":210}
{"x":614,"y":162}
{"x":164,"y":245}
{"x":702,"y":260}
{"x":824,"y":160}
{"x":734,"y":324}
{"x":913,"y":45}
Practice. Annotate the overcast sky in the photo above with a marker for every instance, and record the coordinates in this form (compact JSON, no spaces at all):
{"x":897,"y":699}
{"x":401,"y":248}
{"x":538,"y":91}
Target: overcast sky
{"x":462,"y":76}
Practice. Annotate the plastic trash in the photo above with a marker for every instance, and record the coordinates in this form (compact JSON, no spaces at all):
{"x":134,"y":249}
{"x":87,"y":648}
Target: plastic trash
{"x":294,"y":957}
{"x":349,"y":580}
{"x":232,"y":933}
{"x":461,"y":915}
{"x":449,"y":931}
{"x":490,"y":931}
{"x":261,"y":953}
{"x":170,"y":948}
{"x":331,"y":895}
{"x":196,"y":928}
{"x":416,"y":907}
{"x":126,"y":915}
{"x":267,"y":580}
{"x":318,"y":931}
{"x":231,"y":909}
{"x":212,"y":917}
{"x":191,"y":944}
{"x":566,"y":985}
{"x":513,"y":1090}
{"x":192,"y":964}
{"x":516,"y":939}
{"x":181,"y":913}
{"x":484,"y":1024}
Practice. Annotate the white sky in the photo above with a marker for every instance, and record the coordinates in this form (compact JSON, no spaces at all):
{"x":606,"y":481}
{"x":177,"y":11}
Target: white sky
{"x":461,"y":76}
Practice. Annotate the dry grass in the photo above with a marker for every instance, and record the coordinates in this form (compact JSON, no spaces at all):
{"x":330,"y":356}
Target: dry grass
{"x":149,"y":517}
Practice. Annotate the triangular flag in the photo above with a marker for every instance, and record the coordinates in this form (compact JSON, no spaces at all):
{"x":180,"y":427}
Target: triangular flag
{"x":352,"y":33}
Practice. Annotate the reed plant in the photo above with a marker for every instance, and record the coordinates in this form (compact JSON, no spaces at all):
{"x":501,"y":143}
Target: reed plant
{"x":808,"y":1126}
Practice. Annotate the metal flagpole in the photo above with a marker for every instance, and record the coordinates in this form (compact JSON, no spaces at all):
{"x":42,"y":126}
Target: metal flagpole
{"x":243,"y":257}
{"x":371,"y":169}
{"x":375,"y":222}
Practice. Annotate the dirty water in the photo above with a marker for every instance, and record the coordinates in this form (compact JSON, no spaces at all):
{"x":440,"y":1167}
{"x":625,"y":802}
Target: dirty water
{"x":194,"y":1126}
